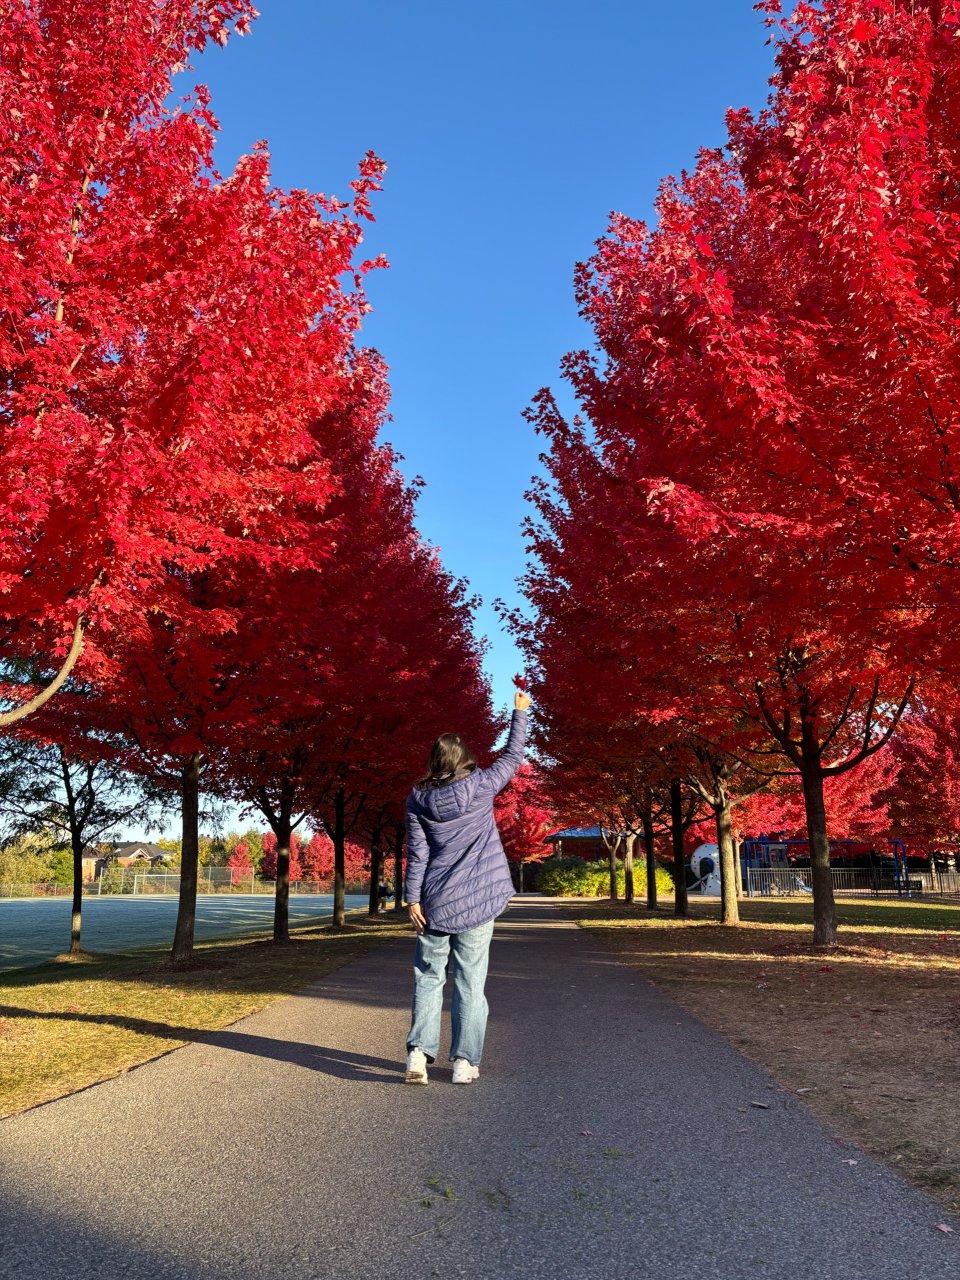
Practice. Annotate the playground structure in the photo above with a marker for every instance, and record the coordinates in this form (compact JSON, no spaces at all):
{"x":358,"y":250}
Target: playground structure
{"x":774,"y":866}
{"x":705,"y":869}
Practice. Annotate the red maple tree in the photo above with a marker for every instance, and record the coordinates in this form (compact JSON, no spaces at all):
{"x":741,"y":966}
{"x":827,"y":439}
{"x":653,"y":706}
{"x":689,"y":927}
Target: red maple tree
{"x":774,"y":466}
{"x":166,"y":332}
{"x":924,"y":794}
{"x":379,"y":648}
{"x":524,"y":817}
{"x":316,"y":857}
{"x":268,"y":863}
{"x":176,"y":338}
{"x":239,"y":862}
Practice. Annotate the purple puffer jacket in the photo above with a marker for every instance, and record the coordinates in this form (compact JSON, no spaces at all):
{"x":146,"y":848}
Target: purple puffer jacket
{"x":456,"y":867}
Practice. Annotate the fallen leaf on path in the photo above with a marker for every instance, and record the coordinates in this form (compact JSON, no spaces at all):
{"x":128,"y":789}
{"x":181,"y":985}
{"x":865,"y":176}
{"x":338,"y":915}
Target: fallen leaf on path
{"x":587,"y":1133}
{"x":942,"y":1226}
{"x":850,"y":1162}
{"x":764,"y":1106}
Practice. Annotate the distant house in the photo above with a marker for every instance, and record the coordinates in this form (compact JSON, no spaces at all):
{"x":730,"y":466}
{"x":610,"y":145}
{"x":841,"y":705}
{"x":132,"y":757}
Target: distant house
{"x":123,"y":854}
{"x":128,"y":852}
{"x":582,"y":842}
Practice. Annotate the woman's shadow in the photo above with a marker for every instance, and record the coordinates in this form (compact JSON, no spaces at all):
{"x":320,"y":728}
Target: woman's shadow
{"x":320,"y":1058}
{"x":315,"y":1057}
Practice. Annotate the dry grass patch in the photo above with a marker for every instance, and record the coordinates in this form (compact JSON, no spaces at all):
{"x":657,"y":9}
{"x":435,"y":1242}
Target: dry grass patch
{"x":73,"y":1023}
{"x":868,"y":1030}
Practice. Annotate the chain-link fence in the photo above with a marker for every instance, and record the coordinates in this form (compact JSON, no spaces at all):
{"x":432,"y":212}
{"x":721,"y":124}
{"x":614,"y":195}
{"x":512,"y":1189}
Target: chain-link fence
{"x":795,"y":882}
{"x":49,"y":889}
{"x":227,"y":880}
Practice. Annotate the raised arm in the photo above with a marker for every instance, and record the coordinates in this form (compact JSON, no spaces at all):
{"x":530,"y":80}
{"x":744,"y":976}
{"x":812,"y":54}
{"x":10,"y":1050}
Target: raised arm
{"x":511,"y":757}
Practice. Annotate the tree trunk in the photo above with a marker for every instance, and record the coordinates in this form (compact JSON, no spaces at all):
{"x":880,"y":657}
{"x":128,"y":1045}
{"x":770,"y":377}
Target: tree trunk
{"x":729,"y":911}
{"x":738,"y":868}
{"x":398,"y":870}
{"x":281,"y":906}
{"x":612,"y":847}
{"x":77,"y":846}
{"x":339,"y":859}
{"x":281,"y":823}
{"x":189,"y":859}
{"x":824,"y":906}
{"x":376,"y":862}
{"x":679,"y":861}
{"x":647,"y":819}
{"x":629,"y":841}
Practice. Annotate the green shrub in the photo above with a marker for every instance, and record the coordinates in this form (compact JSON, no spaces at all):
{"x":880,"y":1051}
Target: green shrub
{"x":573,"y":877}
{"x":112,"y":877}
{"x":33,"y":858}
{"x":61,"y":865}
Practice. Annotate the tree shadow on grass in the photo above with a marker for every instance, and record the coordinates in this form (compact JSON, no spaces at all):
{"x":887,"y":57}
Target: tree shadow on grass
{"x":320,"y":1058}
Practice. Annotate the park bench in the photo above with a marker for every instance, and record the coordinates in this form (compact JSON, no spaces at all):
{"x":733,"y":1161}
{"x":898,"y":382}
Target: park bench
{"x":888,"y":884}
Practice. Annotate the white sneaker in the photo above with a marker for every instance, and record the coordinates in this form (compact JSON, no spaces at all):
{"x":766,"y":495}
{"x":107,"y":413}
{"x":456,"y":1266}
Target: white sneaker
{"x":464,"y":1072}
{"x":416,"y":1067}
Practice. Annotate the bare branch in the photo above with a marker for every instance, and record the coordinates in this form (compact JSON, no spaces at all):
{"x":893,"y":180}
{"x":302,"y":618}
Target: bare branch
{"x":44,"y":696}
{"x":834,"y":770}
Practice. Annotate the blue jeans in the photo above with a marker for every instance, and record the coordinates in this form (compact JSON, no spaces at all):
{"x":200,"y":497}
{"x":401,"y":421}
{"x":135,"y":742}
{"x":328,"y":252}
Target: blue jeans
{"x":470,"y":951}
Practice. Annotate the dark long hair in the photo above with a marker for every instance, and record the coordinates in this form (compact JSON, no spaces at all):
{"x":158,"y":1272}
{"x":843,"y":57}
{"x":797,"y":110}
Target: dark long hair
{"x":450,"y":759}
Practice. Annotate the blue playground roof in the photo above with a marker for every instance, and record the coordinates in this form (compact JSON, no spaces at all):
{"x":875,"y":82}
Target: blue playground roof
{"x":575,"y":833}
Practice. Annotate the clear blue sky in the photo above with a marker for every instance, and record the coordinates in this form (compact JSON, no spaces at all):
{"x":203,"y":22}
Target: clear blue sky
{"x":510,"y":131}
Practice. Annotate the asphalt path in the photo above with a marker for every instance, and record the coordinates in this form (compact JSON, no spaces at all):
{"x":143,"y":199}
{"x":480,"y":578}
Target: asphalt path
{"x":611,"y":1135}
{"x":33,"y":930}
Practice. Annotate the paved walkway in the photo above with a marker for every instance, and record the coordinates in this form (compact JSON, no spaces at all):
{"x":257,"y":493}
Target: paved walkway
{"x":606,"y":1138}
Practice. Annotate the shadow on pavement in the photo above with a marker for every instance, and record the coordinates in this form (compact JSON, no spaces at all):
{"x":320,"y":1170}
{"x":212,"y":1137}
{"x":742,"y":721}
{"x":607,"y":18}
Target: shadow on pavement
{"x":331,"y":1062}
{"x":44,"y":1244}
{"x":320,"y":1058}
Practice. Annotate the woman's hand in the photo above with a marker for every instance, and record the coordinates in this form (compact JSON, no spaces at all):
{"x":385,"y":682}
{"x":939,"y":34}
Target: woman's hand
{"x":417,"y":918}
{"x":521,"y":700}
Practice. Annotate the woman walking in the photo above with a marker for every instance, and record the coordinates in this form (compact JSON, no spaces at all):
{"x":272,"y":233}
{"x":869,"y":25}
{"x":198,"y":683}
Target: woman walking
{"x":457,"y":883}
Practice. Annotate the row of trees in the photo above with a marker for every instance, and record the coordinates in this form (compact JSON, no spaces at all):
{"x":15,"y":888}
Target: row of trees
{"x":210,"y":574}
{"x":746,"y":546}
{"x":36,"y":851}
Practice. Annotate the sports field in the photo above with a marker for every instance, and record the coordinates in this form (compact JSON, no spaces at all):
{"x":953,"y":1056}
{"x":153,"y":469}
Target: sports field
{"x":33,"y":930}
